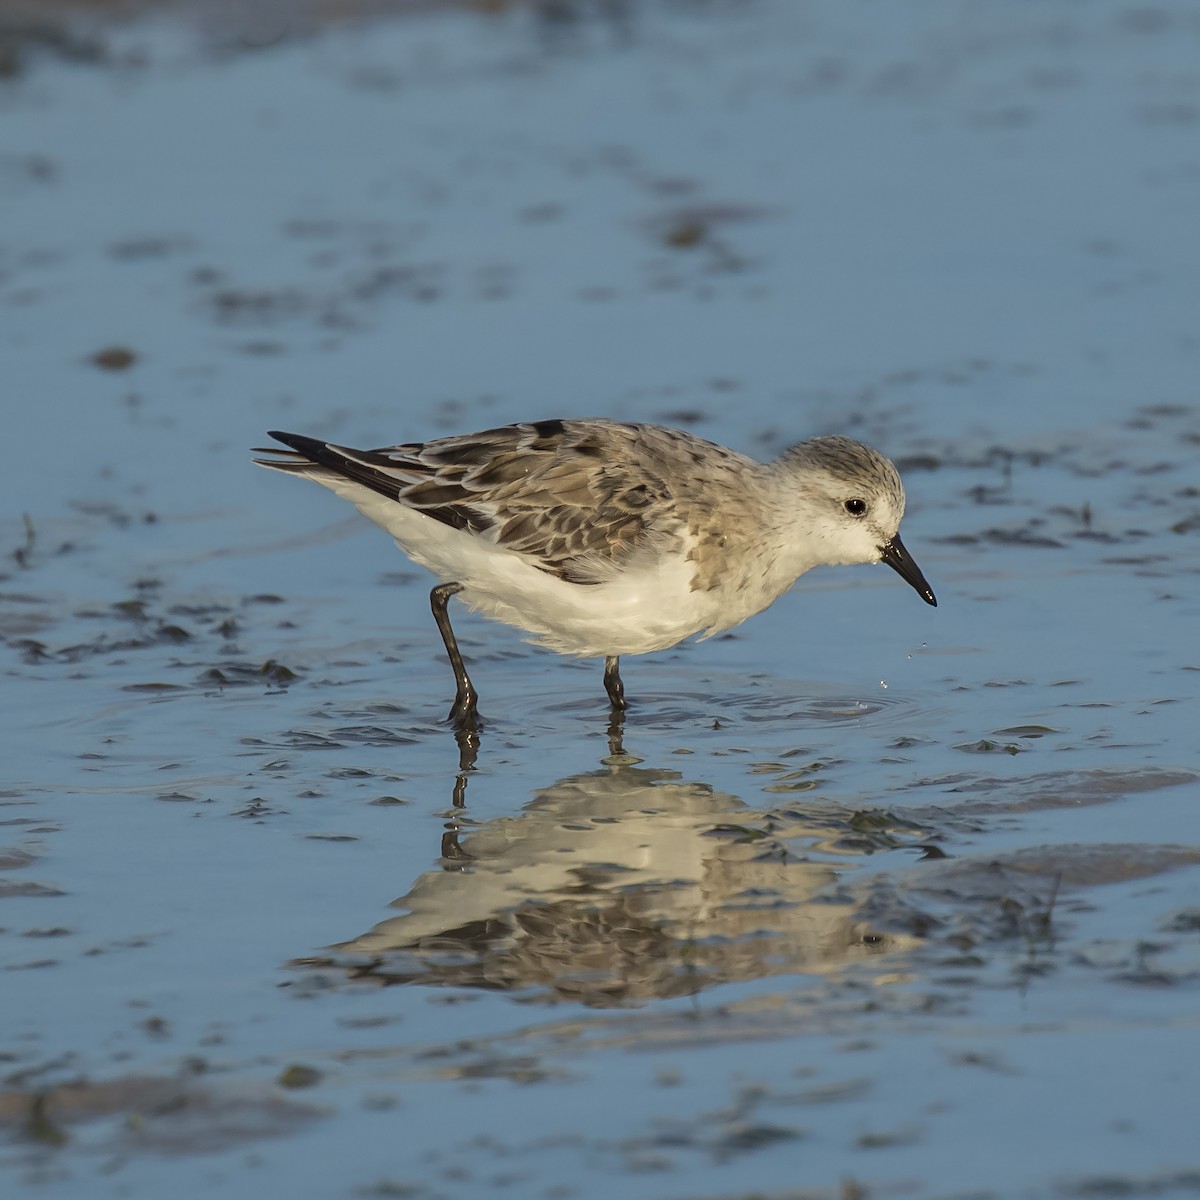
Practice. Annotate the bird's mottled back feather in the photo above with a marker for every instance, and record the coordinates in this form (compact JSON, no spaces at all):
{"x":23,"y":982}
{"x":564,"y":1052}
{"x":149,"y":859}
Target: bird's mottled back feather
{"x":580,"y":498}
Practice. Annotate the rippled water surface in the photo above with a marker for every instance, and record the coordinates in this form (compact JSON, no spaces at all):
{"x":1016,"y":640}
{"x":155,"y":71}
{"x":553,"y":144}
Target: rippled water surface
{"x":864,"y":898}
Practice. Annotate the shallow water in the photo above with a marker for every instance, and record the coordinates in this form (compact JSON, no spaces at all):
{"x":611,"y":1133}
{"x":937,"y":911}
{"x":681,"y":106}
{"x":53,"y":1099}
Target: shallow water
{"x":865,"y":898}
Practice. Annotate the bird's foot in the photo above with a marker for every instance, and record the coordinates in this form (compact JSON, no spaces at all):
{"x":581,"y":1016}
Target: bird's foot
{"x":464,"y":715}
{"x":613,"y":685}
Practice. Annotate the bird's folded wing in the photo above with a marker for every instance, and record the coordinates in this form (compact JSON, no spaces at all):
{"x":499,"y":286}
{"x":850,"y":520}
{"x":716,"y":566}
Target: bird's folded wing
{"x":578,"y":498}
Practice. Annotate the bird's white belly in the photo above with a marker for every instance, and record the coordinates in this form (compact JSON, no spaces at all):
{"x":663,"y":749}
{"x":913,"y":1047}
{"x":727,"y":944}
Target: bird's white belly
{"x":649,"y":606}
{"x":632,"y":614}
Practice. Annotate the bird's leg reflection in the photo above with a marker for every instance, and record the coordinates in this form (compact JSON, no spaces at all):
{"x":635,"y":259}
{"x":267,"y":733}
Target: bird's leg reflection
{"x":616,"y":733}
{"x":468,"y":750}
{"x":453,"y":856}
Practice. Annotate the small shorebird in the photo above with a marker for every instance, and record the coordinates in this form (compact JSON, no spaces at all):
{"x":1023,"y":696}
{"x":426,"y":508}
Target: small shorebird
{"x":603,"y":538}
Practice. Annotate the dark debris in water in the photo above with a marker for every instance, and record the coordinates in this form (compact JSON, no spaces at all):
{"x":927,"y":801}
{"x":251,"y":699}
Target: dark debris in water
{"x":1186,"y":921}
{"x":133,"y":630}
{"x":170,"y":1116}
{"x":28,"y":888}
{"x":835,"y":829}
{"x":987,"y":746}
{"x":1117,"y":1185}
{"x":257,"y":808}
{"x":114,"y":358}
{"x":299,"y":1075}
{"x":234,"y":673}
{"x":1075,"y":865}
{"x":870,"y":830}
{"x":374,"y":735}
{"x":338,"y":738}
{"x":968,"y":910}
{"x":1056,"y":789}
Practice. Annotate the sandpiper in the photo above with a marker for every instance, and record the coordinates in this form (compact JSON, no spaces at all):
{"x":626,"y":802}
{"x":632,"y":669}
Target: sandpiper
{"x":604,"y":538}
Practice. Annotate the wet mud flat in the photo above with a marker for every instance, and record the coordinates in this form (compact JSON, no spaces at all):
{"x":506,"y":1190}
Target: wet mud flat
{"x":860,"y":899}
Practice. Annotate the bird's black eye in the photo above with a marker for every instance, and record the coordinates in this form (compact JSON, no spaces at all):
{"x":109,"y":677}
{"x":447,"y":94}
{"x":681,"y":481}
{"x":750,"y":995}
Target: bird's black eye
{"x":856,"y":506}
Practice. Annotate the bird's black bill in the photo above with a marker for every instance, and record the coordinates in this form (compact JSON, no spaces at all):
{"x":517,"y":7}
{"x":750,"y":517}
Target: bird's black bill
{"x":899,"y":559}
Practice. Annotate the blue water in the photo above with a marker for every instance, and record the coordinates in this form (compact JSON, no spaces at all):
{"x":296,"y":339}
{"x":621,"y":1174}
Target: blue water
{"x":721,"y":962}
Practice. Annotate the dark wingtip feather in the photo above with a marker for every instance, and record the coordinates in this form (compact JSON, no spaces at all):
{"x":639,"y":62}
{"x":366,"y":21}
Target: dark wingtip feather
{"x":303,"y":453}
{"x":311,"y":447}
{"x":311,"y":456}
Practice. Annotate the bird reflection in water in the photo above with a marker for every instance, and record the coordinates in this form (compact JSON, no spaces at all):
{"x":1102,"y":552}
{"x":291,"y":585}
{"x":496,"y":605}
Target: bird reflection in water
{"x":613,"y":887}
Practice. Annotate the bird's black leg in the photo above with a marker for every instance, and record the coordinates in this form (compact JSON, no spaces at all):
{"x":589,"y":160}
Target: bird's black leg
{"x":465,"y":713}
{"x":612,"y":683}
